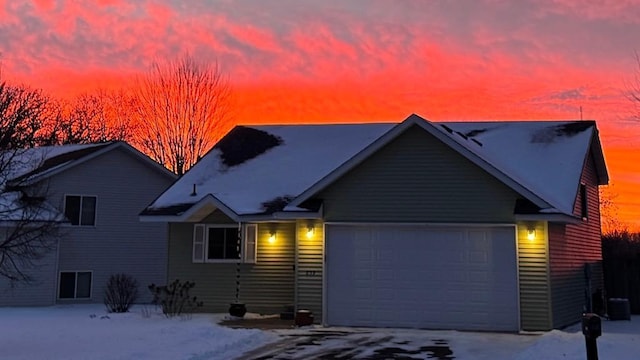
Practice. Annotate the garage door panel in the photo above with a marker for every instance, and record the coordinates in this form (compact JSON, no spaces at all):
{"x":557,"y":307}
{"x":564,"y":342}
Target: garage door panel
{"x":406,"y":276}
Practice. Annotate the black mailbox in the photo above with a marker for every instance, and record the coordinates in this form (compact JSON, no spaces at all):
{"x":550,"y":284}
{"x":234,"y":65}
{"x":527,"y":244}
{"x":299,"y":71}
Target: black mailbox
{"x":591,"y":325}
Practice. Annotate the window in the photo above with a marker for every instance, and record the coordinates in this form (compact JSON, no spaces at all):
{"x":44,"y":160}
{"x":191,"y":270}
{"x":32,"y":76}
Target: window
{"x":584,"y":202}
{"x":219,"y":243}
{"x":75,"y":285}
{"x":80,"y":210}
{"x":222,"y":243}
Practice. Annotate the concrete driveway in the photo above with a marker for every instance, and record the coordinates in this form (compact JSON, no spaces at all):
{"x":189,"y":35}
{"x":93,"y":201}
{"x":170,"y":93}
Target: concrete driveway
{"x":382,"y":344}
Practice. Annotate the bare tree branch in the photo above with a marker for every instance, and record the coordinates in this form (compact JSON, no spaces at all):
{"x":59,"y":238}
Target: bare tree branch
{"x":29,"y":226}
{"x":23,"y":116}
{"x":93,"y":118}
{"x":181,"y":106}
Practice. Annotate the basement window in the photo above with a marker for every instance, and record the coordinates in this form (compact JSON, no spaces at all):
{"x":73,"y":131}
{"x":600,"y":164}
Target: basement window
{"x":75,"y":285}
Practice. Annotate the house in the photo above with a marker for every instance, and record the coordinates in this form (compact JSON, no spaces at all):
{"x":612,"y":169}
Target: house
{"x":457,"y":225}
{"x":95,"y":192}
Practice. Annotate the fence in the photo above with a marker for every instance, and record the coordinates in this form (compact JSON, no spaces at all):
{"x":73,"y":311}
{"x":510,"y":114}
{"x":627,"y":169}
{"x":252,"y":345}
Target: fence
{"x":622,"y":279}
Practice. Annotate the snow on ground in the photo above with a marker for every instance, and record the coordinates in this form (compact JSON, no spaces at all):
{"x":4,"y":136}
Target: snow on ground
{"x":620,"y":341}
{"x":89,"y":332}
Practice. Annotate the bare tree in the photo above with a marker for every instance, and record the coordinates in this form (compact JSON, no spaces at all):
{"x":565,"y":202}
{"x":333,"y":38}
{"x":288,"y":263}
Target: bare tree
{"x":182,"y":106}
{"x":94,"y":117}
{"x":632,"y":90}
{"x":28,"y":224}
{"x":23,"y":117}
{"x":609,"y":215}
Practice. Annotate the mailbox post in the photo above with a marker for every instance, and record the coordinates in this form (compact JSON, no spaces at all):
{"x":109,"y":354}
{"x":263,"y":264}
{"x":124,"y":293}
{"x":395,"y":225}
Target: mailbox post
{"x":591,"y":329}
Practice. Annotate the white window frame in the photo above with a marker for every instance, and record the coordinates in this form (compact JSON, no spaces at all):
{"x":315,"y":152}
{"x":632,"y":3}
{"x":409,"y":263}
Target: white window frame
{"x":200,"y":244}
{"x":95,"y":211}
{"x":75,"y":288}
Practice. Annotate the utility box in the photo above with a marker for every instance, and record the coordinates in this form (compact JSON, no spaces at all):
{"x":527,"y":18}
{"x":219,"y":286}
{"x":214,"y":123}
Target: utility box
{"x":303,"y":318}
{"x":591,"y":326}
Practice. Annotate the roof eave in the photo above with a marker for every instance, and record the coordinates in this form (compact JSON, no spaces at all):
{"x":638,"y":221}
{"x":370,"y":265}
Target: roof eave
{"x":207,"y":204}
{"x":283,"y":215}
{"x":555,"y":217}
{"x":116,"y":144}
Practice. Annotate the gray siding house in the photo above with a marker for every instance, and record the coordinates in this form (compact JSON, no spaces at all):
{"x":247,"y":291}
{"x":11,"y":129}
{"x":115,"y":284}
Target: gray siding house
{"x":469,"y":226}
{"x":99,"y":189}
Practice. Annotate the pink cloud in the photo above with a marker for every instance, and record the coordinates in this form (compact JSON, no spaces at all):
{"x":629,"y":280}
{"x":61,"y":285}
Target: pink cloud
{"x":350,"y":60}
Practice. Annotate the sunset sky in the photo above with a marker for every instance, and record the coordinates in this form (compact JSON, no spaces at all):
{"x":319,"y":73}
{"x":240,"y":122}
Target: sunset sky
{"x":301,"y":61}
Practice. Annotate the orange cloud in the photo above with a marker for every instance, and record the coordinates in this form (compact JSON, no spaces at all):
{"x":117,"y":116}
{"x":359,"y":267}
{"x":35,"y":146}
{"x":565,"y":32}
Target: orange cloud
{"x":354,"y":61}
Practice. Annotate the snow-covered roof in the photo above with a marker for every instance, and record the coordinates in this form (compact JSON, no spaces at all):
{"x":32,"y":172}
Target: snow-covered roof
{"x":304,"y":155}
{"x":546,"y":157}
{"x":261,"y":169}
{"x":20,"y":163}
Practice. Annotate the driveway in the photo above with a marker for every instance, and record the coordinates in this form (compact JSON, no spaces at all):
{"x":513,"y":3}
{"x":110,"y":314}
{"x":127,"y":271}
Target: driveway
{"x":382,"y":344}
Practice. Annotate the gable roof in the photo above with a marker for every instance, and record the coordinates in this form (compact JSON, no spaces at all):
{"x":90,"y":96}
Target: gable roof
{"x":543,"y":162}
{"x":25,"y":167}
{"x":43,"y":162}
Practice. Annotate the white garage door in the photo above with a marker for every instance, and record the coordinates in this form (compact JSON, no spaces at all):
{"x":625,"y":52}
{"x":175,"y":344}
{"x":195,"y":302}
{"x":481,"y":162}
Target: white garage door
{"x":422,"y":277}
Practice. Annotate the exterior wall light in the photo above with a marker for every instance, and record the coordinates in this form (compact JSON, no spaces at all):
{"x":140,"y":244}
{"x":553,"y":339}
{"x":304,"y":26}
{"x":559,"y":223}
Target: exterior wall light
{"x":531,"y":234}
{"x":272,"y":237}
{"x":309,"y":232}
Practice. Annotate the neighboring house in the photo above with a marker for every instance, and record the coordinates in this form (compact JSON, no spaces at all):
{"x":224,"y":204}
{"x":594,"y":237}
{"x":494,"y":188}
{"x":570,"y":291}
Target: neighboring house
{"x":475,"y":225}
{"x":96,"y":191}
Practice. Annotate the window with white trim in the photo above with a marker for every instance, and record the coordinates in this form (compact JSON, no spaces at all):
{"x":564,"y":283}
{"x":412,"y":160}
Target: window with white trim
{"x":219,"y":243}
{"x":80,"y":209}
{"x":74,"y":285}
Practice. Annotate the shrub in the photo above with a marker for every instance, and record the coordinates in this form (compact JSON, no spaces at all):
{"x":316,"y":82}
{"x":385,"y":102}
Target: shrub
{"x":175,"y":298}
{"x":121,"y":292}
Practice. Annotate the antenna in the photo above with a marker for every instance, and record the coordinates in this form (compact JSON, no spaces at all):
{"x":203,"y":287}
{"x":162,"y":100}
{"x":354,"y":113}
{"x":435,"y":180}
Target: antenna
{"x":580,"y":112}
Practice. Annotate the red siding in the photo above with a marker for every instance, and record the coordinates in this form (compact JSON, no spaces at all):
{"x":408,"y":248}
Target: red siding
{"x":571,"y":247}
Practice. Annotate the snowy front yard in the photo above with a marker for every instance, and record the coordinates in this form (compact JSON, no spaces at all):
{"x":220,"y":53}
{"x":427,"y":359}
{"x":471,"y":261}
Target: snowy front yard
{"x":88,"y":332}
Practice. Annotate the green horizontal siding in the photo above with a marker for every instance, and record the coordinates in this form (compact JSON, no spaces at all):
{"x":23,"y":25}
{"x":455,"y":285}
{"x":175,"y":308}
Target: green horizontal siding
{"x":266,"y":287}
{"x":417,"y":178}
{"x":309,"y":267}
{"x":533,"y":274}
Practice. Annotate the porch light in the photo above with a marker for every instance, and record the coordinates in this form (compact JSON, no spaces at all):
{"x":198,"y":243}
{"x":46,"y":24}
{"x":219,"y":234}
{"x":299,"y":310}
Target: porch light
{"x":531,"y":234}
{"x":272,"y":237}
{"x":309,"y":232}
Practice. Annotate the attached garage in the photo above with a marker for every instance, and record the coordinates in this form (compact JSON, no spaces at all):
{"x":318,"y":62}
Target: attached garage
{"x":438,"y":277}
